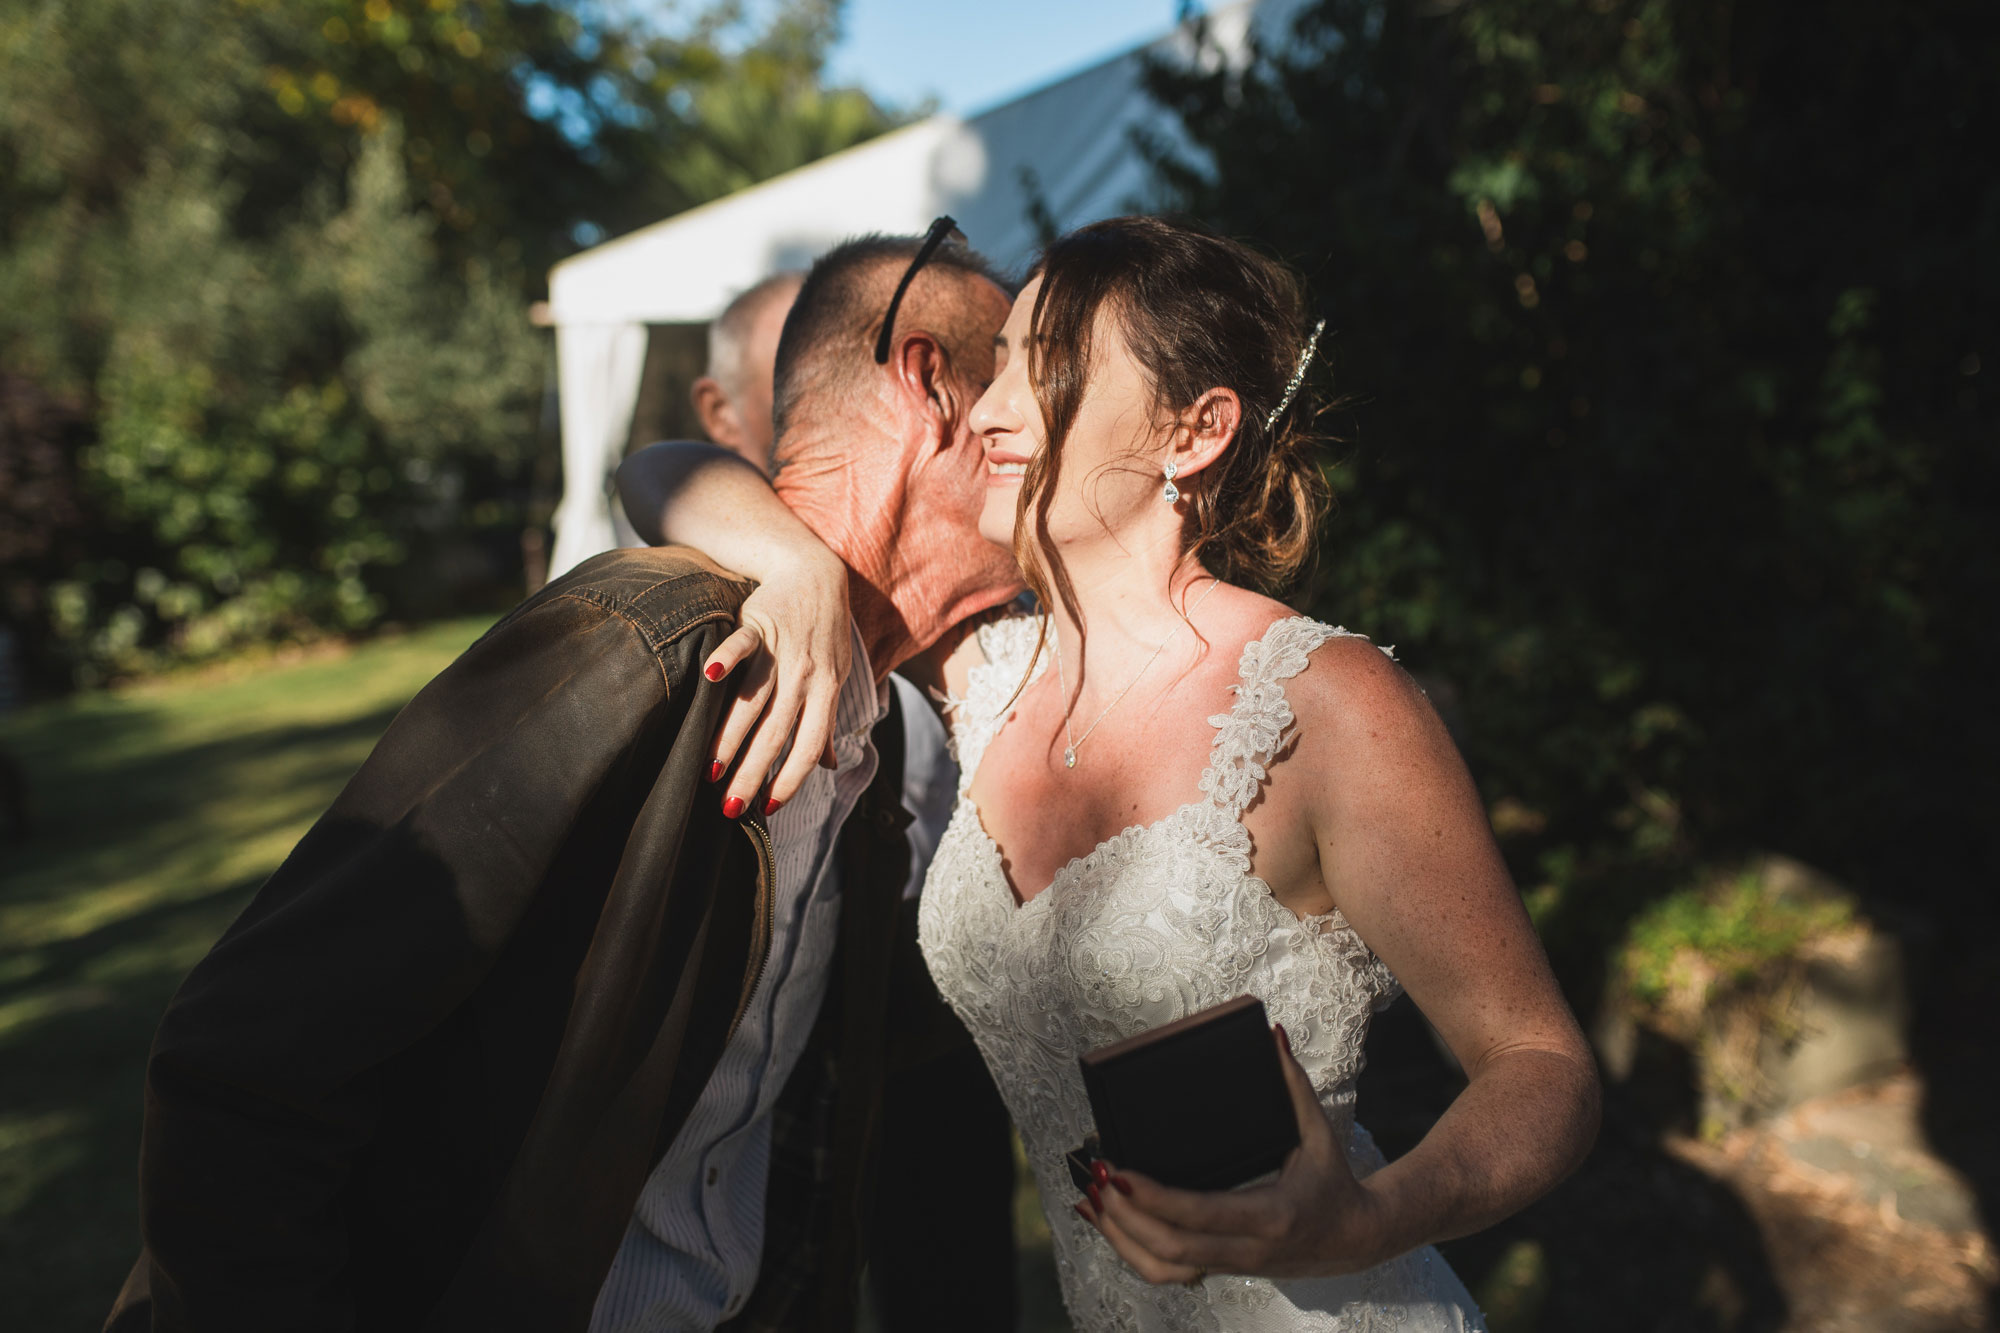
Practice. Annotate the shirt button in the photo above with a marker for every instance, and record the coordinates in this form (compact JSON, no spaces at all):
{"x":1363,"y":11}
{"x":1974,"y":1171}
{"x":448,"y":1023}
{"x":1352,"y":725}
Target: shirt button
{"x":713,"y":1174}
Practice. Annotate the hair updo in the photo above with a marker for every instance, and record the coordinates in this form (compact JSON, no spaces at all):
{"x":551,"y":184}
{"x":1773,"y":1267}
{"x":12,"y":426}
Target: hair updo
{"x":1199,"y":312}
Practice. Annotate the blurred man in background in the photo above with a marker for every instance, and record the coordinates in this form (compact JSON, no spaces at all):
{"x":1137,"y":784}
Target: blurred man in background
{"x":733,"y":399}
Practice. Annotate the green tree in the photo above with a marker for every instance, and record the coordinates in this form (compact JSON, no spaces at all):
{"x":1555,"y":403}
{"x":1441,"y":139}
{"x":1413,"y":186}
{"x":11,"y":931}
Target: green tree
{"x":765,"y":109}
{"x":275,"y":418}
{"x":1668,"y":452}
{"x":264,"y":274}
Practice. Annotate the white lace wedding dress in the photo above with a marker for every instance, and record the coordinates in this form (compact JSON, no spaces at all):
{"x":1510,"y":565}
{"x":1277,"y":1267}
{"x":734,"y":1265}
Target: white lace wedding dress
{"x":1156,"y":923}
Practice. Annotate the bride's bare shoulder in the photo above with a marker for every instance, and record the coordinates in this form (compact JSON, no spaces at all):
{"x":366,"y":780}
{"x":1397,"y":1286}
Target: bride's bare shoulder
{"x":1354,"y":704}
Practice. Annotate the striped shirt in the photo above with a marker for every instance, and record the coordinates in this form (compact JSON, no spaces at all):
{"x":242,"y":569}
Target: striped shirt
{"x":691,"y":1252}
{"x":930,"y":780}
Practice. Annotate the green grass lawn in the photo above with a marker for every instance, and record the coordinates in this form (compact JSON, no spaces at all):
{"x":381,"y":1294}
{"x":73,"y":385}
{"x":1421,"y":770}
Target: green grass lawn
{"x":160,"y":809}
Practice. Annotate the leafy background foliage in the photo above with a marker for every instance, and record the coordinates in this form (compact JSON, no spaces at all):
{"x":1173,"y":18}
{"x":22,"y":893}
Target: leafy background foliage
{"x":1667,"y":459}
{"x":1669,"y":462}
{"x":264,"y":278}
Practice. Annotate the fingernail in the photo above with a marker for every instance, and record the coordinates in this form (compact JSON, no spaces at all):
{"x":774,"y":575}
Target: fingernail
{"x":1096,"y":1199}
{"x":1124,"y":1185}
{"x":1100,"y":1173}
{"x":771,"y":806}
{"x":1284,"y":1038}
{"x":715,"y":771}
{"x":732,"y":807}
{"x":713,"y":671}
{"x":1084,"y":1213}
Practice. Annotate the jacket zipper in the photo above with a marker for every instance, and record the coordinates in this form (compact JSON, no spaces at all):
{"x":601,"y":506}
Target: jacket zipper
{"x":767,"y":890}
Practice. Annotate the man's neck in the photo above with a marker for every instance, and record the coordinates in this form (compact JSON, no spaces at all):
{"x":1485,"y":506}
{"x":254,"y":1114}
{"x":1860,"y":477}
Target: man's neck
{"x":817,"y":488}
{"x":885,"y":636}
{"x":910,"y":576}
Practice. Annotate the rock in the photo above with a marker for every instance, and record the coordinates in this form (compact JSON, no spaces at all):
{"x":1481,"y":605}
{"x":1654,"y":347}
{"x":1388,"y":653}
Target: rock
{"x":1614,"y":1032}
{"x":1772,"y":979}
{"x":1847,"y":1018}
{"x":1873,"y":1139}
{"x":1864,"y":1227}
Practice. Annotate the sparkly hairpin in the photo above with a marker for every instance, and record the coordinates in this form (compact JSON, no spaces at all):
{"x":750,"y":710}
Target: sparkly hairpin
{"x":1298,"y":376}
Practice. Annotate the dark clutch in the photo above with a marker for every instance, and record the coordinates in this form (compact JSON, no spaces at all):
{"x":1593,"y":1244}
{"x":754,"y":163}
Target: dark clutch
{"x":1199,"y":1103}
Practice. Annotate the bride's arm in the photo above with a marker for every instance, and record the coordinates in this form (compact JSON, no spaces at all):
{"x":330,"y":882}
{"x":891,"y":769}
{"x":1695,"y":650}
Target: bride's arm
{"x":707,"y":497}
{"x":1407,"y":855}
{"x":1407,"y":852}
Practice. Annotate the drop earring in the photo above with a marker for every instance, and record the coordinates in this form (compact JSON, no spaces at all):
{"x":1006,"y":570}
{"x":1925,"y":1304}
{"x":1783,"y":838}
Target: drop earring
{"x":1172,"y":492}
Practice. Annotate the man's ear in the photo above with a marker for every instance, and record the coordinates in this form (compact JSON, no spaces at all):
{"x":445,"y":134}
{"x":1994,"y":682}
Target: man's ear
{"x":922,"y":371}
{"x":1204,"y":430}
{"x":717,"y":413}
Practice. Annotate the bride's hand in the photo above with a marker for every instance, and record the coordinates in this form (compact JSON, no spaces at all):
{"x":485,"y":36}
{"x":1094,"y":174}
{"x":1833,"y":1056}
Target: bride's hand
{"x":793,"y":649}
{"x":1314,"y":1220}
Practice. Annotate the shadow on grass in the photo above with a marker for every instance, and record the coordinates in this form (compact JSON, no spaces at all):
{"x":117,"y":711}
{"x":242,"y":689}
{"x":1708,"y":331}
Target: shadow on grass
{"x":70,"y":1106}
{"x":87,"y":809}
{"x":137,"y":866}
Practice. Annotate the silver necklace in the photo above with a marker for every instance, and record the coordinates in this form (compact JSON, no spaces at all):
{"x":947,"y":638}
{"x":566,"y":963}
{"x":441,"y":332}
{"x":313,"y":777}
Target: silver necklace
{"x":1076,"y":742}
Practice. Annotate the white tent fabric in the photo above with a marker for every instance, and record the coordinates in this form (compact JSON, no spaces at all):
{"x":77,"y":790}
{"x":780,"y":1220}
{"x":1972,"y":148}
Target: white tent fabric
{"x":598,"y":368}
{"x":1068,"y":146}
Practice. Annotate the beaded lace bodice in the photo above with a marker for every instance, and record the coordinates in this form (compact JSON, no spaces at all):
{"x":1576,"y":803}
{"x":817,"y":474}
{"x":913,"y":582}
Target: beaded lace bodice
{"x":1157,"y":922}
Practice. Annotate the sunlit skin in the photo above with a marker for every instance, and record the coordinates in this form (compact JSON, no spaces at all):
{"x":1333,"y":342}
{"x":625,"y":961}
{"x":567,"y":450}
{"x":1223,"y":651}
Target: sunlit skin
{"x":1111,"y":484}
{"x":1370,"y":811}
{"x":895,"y":484}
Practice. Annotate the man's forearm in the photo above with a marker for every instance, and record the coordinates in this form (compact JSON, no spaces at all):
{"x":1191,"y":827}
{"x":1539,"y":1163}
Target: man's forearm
{"x":704,"y":496}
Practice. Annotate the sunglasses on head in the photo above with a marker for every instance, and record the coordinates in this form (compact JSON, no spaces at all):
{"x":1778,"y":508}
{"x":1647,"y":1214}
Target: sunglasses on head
{"x":942,"y":229}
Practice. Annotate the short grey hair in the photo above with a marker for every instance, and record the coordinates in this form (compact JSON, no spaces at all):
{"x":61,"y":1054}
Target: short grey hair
{"x":730,"y":330}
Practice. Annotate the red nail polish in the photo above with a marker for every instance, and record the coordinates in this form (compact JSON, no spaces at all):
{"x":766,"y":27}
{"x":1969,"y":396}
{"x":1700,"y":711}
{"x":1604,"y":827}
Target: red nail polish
{"x":1096,"y":1199}
{"x":1100,"y":1173}
{"x":1284,"y":1037}
{"x":715,"y":771}
{"x":713,"y":671}
{"x":1084,"y":1213}
{"x":732,"y":807}
{"x":1124,"y":1185}
{"x":771,"y":807}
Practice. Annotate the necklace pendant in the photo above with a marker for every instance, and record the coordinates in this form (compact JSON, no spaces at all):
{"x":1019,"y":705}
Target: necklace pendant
{"x":1069,"y":757}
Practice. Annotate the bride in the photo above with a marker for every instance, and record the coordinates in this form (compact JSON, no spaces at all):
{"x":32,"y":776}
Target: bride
{"x":1175,"y":790}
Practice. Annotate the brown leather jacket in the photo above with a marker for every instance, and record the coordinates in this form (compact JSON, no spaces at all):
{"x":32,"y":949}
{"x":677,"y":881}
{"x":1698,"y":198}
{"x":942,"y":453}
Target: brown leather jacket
{"x":420,"y":1082}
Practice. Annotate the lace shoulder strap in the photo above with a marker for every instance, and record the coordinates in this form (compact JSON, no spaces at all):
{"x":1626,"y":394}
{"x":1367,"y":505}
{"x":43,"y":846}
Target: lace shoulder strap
{"x":1259,"y":725}
{"x":1006,"y":644}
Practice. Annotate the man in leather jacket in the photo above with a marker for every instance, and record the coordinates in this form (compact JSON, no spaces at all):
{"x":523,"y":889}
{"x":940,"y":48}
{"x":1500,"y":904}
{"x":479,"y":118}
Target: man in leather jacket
{"x":421,"y":1081}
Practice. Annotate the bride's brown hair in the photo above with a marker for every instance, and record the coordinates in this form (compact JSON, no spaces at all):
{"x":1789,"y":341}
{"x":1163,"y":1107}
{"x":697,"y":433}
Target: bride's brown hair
{"x":1199,"y":312}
